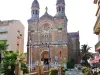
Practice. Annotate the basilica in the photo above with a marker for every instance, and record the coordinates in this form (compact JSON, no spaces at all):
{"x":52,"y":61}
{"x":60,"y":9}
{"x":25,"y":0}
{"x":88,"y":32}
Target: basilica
{"x":48,"y":38}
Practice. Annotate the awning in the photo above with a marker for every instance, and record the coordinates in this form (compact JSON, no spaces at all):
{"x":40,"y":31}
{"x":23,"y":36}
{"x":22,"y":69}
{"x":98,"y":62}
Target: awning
{"x":98,"y":50}
{"x":97,"y":46}
{"x":96,"y":60}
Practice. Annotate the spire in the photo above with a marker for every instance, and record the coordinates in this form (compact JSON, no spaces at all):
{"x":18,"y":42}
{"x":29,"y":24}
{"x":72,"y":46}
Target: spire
{"x":60,"y":2}
{"x":35,"y":4}
{"x":35,"y":11}
{"x":60,"y":8}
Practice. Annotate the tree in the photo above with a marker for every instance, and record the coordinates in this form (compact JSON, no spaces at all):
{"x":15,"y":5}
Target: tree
{"x":70,"y":64}
{"x":3,"y":47}
{"x":85,"y":54}
{"x":87,"y":71}
{"x":10,"y":62}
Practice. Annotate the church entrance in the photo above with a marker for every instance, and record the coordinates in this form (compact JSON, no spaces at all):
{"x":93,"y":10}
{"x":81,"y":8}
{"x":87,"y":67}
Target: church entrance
{"x":44,"y":57}
{"x":46,"y":61}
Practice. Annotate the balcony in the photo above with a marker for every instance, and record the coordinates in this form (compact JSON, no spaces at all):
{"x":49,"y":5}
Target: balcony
{"x":4,"y":29}
{"x":3,"y":36}
{"x":97,"y":26}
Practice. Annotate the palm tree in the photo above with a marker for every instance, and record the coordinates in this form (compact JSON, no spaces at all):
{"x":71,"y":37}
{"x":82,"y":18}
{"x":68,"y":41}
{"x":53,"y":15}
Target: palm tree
{"x":85,"y":54}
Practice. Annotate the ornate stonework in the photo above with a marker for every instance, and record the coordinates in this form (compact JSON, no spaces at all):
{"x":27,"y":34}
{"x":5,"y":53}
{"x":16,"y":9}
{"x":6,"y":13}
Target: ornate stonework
{"x":52,"y":31}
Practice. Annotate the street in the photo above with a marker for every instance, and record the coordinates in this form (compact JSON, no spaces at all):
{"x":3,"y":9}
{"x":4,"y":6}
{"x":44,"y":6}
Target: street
{"x":73,"y":72}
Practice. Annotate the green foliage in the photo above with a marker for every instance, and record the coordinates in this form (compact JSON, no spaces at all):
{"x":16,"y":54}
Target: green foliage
{"x":70,"y":64}
{"x":85,"y":55}
{"x":86,"y":71}
{"x":3,"y":46}
{"x":85,"y":48}
{"x":10,"y":59}
{"x":95,"y":73}
{"x":63,"y":69}
{"x":24,"y":68}
{"x":53,"y":72}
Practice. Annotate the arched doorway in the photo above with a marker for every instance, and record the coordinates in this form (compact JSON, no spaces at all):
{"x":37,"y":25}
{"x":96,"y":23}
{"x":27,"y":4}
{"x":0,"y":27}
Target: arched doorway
{"x":44,"y":57}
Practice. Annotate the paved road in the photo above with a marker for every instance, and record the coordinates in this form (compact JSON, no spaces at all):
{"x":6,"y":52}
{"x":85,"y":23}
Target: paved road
{"x":73,"y":72}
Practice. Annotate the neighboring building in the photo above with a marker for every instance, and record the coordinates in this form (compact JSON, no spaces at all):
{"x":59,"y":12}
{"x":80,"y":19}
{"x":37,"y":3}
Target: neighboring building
{"x":97,"y":26}
{"x":12,"y":32}
{"x":49,"y":36}
{"x":75,"y":46}
{"x":96,"y":30}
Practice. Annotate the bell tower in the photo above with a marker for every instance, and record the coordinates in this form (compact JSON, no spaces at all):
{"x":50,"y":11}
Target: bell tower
{"x":60,"y":7}
{"x":35,"y":10}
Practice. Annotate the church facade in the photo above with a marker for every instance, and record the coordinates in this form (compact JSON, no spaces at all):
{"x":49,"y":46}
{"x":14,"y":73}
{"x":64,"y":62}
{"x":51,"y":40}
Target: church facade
{"x":48,"y":38}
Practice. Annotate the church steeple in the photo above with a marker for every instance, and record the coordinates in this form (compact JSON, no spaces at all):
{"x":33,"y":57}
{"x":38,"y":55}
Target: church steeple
{"x":60,"y":2}
{"x":60,"y":7}
{"x":35,"y":10}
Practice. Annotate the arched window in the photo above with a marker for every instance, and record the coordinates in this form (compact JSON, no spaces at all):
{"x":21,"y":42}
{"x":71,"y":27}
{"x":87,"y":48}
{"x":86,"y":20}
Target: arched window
{"x":46,"y":29}
{"x":60,"y":53}
{"x":33,"y":11}
{"x":62,"y":8}
{"x":36,"y":12}
{"x":42,"y":38}
{"x":59,"y":9}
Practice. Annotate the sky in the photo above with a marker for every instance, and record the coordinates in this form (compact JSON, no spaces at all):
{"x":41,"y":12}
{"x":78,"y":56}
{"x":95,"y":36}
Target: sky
{"x":80,"y":14}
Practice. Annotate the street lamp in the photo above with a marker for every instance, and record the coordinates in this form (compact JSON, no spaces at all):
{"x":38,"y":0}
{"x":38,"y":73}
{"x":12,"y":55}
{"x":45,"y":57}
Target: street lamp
{"x":18,"y":58}
{"x":29,"y":55}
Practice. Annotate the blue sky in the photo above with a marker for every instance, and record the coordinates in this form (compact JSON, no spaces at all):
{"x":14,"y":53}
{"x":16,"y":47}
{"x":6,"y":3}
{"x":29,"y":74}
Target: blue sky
{"x":80,"y":14}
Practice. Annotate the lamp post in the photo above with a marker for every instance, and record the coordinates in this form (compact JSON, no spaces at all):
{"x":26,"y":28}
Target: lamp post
{"x":18,"y":58}
{"x":29,"y":55}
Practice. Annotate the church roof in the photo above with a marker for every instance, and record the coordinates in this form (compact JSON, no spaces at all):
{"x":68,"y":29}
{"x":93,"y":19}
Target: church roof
{"x":35,"y":4}
{"x":60,"y":2}
{"x":73,"y":34}
{"x":33,"y":20}
{"x":46,"y":16}
{"x":60,"y":16}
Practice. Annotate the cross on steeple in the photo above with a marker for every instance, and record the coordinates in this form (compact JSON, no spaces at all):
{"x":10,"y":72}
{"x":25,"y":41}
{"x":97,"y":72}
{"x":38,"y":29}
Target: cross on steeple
{"x":46,"y":9}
